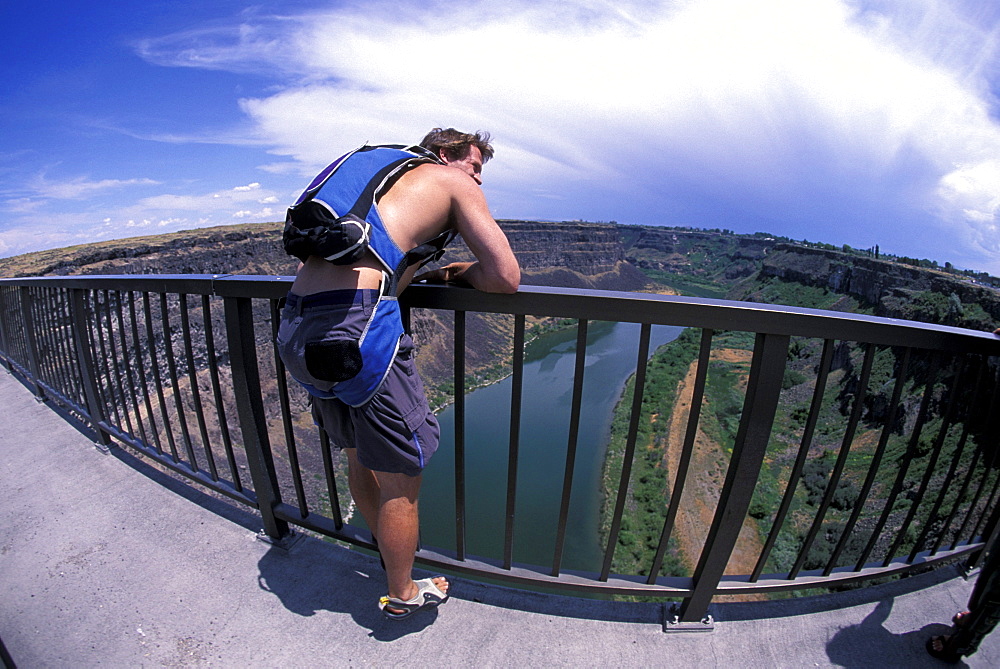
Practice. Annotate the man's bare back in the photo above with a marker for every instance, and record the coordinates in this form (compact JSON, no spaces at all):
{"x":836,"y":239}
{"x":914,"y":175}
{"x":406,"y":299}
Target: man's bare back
{"x":425,"y":202}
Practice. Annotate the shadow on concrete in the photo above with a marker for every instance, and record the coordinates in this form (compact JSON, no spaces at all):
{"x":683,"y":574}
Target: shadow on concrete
{"x":308,"y":579}
{"x":795,"y":606}
{"x":869,"y":642}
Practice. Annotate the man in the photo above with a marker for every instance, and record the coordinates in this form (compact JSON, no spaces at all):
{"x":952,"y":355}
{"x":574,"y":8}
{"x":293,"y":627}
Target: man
{"x":340,"y":334}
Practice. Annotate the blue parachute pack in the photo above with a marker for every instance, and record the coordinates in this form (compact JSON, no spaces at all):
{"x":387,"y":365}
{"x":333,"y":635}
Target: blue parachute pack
{"x":336,"y":218}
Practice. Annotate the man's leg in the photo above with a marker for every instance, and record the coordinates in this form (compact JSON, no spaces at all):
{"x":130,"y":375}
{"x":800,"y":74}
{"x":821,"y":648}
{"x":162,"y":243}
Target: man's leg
{"x":388,"y":503}
{"x":398,"y":525}
{"x":364,"y":489}
{"x":398,"y":532}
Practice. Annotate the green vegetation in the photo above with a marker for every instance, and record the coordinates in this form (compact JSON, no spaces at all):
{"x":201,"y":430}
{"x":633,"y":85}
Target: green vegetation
{"x":645,"y":504}
{"x":686,"y":285}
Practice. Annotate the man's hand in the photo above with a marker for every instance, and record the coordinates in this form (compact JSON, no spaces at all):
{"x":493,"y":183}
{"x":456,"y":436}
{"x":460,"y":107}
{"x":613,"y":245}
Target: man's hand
{"x":451,"y":273}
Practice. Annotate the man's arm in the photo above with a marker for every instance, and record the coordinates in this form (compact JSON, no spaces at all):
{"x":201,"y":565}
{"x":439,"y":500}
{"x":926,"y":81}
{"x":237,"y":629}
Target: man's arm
{"x":496,"y":269}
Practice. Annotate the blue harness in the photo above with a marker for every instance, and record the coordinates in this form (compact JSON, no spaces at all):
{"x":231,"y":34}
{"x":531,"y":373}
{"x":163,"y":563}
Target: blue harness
{"x":336,"y":218}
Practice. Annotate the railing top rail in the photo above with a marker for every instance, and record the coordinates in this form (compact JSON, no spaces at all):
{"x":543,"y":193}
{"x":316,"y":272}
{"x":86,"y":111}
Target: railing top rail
{"x":589,"y":304}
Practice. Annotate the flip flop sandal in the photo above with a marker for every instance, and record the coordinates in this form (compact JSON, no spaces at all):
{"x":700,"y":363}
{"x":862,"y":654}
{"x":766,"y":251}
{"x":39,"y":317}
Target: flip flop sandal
{"x":428,"y":595}
{"x":960,"y":619}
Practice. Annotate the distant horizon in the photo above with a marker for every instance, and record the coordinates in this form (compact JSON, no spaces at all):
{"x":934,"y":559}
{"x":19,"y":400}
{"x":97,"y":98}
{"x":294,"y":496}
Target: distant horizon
{"x":883,"y":253}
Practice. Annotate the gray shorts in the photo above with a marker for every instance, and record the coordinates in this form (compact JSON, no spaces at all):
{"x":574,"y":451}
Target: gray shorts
{"x":395,"y":430}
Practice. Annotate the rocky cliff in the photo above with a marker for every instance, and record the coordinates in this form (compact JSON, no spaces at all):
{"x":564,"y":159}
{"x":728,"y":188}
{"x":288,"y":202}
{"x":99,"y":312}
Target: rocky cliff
{"x":575,"y":255}
{"x":883,"y":284}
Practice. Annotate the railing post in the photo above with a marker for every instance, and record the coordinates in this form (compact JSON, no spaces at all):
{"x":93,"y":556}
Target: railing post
{"x":32,"y":347}
{"x":4,"y":341}
{"x":85,"y":360}
{"x":759,"y":406}
{"x":250,"y":406}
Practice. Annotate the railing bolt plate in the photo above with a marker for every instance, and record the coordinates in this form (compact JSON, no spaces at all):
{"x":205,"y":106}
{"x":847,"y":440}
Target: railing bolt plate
{"x":672,"y":622}
{"x":284,"y":543}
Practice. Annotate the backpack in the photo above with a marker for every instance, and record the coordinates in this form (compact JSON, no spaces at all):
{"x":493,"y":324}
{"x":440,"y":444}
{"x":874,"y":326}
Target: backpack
{"x":334,"y":217}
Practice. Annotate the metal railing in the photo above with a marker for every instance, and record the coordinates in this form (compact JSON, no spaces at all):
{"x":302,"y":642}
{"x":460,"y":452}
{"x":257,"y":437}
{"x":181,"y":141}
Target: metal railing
{"x":183,"y":370}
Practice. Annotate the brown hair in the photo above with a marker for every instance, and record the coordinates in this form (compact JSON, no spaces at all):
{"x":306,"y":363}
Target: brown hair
{"x":456,"y":144}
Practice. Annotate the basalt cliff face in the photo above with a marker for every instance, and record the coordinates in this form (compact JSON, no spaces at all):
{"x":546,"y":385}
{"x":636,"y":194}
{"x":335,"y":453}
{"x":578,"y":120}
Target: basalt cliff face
{"x":574,"y":255}
{"x":882,"y":284}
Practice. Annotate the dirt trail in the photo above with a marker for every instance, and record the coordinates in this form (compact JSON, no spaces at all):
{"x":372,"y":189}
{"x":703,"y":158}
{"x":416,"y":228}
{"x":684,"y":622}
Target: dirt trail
{"x":706,"y":475}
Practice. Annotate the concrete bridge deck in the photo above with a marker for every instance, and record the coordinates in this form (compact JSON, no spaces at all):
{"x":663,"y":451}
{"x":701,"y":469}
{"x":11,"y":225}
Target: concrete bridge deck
{"x":107,"y":562}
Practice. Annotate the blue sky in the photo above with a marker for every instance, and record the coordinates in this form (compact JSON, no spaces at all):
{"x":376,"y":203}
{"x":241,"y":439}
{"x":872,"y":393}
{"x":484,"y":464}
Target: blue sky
{"x":845,"y":122}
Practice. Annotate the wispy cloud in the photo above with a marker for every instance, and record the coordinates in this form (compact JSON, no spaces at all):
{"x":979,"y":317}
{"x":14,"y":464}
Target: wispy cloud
{"x":766,"y":95}
{"x":856,"y":121}
{"x":80,"y":187}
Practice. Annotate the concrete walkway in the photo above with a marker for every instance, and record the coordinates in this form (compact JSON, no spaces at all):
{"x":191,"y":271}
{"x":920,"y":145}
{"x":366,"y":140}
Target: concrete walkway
{"x":106,"y":562}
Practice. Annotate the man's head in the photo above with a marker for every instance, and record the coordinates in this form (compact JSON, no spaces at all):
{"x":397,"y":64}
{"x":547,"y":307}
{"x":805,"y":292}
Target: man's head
{"x":467,"y":152}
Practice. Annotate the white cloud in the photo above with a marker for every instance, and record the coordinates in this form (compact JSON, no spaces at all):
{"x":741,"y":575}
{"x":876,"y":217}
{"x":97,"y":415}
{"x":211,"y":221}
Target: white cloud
{"x":80,"y":187}
{"x":790,"y":112}
{"x":575,"y":90}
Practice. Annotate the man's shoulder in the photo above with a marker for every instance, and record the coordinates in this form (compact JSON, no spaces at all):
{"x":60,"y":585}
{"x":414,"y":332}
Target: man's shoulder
{"x":441,"y":176}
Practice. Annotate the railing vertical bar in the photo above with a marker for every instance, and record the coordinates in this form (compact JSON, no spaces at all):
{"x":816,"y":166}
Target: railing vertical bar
{"x":904,"y":466}
{"x":100,"y":358}
{"x":72,"y":365}
{"x":990,"y":502}
{"x":56,"y":361}
{"x":49,"y":354}
{"x":22,"y":353}
{"x":70,"y":379}
{"x":286,"y":414}
{"x":331,"y":480}
{"x":517,"y":381}
{"x":168,"y":428}
{"x":963,"y":491}
{"x":113,"y":362}
{"x":38,"y":306}
{"x":993,"y":457}
{"x":838,"y":467}
{"x":930,"y":468}
{"x":168,"y":348}
{"x":684,"y":463}
{"x":141,"y":371}
{"x":980,"y":455}
{"x":126,"y":361}
{"x":65,"y":360}
{"x":250,"y":404}
{"x":639,"y":388}
{"x":956,"y":457}
{"x":100,"y":299}
{"x":834,"y":480}
{"x":31,"y":349}
{"x":991,"y":531}
{"x":43,"y":336}
{"x":815,"y":407}
{"x":760,"y":404}
{"x":873,"y":468}
{"x":460,"y":333}
{"x":6,"y":345}
{"x":220,"y":409}
{"x":199,"y":412}
{"x":571,"y":443}
{"x":85,"y":359}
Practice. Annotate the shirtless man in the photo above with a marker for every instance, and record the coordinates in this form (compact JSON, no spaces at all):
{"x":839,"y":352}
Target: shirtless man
{"x":386,"y":446}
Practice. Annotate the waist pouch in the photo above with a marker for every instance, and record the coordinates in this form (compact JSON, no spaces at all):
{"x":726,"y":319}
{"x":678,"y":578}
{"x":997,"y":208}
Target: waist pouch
{"x":340,"y":344}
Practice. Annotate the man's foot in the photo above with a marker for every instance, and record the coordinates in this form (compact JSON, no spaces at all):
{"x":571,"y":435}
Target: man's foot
{"x":427,"y":592}
{"x":937,"y":646}
{"x":960,"y":618}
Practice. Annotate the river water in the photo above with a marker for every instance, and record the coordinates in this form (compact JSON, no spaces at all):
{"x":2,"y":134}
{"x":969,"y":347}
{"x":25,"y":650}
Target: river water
{"x":546,"y":401}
